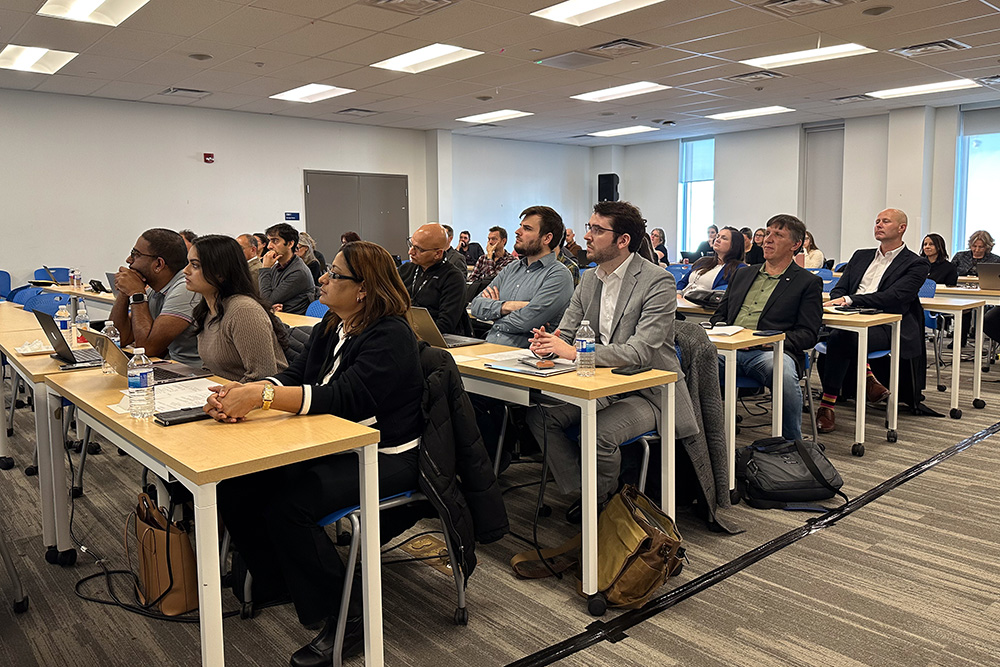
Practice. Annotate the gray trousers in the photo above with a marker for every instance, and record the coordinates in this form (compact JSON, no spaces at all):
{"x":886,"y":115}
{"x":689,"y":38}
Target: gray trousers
{"x":619,"y":418}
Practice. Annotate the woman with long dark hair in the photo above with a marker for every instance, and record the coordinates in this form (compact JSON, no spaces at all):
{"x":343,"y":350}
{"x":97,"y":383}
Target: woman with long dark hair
{"x":934,"y":249}
{"x":238,"y":336}
{"x":814,"y":258}
{"x":713,"y":272}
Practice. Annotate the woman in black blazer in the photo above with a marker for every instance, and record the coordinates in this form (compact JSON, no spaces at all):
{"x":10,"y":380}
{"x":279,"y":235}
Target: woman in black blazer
{"x":942,"y":272}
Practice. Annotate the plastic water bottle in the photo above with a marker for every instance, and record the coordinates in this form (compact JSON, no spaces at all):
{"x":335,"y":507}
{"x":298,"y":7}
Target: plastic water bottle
{"x":585,"y":350}
{"x":111,"y":332}
{"x":140,"y":385}
{"x":64,"y":321}
{"x":82,"y":321}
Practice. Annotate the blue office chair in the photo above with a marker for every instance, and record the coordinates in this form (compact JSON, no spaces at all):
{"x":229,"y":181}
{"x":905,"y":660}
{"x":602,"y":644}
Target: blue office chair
{"x":679,"y":270}
{"x":743,"y":382}
{"x":4,"y":285}
{"x":46,"y":303}
{"x":61,"y":274}
{"x":840,"y":267}
{"x":21,"y":295}
{"x":825,"y":274}
{"x":316,"y":309}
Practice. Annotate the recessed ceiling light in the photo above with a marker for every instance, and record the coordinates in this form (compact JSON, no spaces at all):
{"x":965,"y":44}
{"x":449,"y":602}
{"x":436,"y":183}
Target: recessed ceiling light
{"x":621,"y":131}
{"x":809,"y":56}
{"x":640,"y":88}
{"x":877,"y":11}
{"x":495,"y":116}
{"x":582,"y":12}
{"x":427,"y":58}
{"x":34,"y":59}
{"x":199,"y":56}
{"x":939,"y":87}
{"x":311,"y":92}
{"x":749,"y":113}
{"x":104,"y":12}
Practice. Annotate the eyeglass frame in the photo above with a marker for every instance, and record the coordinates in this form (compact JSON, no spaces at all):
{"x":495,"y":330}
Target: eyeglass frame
{"x":135,"y":253}
{"x":410,"y":244}
{"x":600,"y":230}
{"x":333,"y":275}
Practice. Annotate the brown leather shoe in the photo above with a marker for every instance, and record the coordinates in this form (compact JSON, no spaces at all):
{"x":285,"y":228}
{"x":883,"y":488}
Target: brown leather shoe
{"x":826,"y":422}
{"x":876,"y":392}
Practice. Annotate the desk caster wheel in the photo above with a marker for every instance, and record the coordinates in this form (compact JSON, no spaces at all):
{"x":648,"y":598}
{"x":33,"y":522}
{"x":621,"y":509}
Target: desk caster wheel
{"x":890,"y":436}
{"x":77,"y":491}
{"x":10,"y":433}
{"x":94,"y":448}
{"x":121,"y":452}
{"x":734,"y":496}
{"x":51,"y":555}
{"x":75,"y":445}
{"x":941,"y":387}
{"x":21,"y":606}
{"x":597,"y":604}
{"x":67,"y":558}
{"x":31,"y":471}
{"x":19,"y":404}
{"x":6,"y":463}
{"x":858,"y":449}
{"x":461,"y":616}
{"x":343,"y":539}
{"x":955,"y":413}
{"x":978,"y":404}
{"x":545,"y":511}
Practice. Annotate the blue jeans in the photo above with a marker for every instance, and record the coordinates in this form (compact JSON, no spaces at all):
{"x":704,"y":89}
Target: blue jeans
{"x":758,"y":365}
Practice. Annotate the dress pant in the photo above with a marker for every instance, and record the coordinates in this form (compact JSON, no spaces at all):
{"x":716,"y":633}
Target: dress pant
{"x":758,"y":365}
{"x":272,"y":515}
{"x":842,"y":352}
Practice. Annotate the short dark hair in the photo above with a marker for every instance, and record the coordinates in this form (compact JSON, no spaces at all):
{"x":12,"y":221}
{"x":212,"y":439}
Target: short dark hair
{"x":465,"y":231}
{"x":551,"y":223}
{"x":350,"y":237}
{"x":715,"y":227}
{"x":747,"y":232}
{"x":188,"y":235}
{"x":501,"y":231}
{"x":168,"y":245}
{"x":796,"y":227}
{"x":286,"y":233}
{"x":451,"y":232}
{"x":625,"y":219}
{"x":251,"y":239}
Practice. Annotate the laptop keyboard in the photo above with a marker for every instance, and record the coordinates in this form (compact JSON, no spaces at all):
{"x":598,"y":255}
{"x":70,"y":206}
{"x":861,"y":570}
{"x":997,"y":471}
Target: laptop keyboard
{"x":86,"y":355}
{"x":162,"y":374}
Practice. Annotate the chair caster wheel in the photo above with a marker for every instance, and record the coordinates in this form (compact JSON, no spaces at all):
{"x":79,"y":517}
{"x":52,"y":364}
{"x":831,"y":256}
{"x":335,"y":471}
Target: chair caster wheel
{"x":6,"y":463}
{"x":77,"y":491}
{"x":343,"y":539}
{"x":978,"y":404}
{"x":545,"y":511}
{"x":955,"y":413}
{"x":461,"y":616}
{"x":51,"y":555}
{"x":891,"y":436}
{"x":21,"y":606}
{"x":31,"y":471}
{"x":67,"y":558}
{"x":941,"y":387}
{"x":121,"y":452}
{"x":19,"y":404}
{"x":858,"y":449}
{"x":75,"y":445}
{"x":597,"y":604}
{"x":246,"y":611}
{"x":734,"y":496}
{"x":94,"y":448}
{"x":10,"y":433}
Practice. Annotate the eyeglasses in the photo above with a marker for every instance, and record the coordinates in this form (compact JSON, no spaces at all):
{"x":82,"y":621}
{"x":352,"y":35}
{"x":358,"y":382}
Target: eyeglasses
{"x":333,"y":275}
{"x":135,"y":253}
{"x":597,"y":229}
{"x":411,"y":244}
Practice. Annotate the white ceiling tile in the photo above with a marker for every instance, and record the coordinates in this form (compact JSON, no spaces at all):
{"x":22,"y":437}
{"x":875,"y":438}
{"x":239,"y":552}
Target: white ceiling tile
{"x":124,"y":90}
{"x":223,"y":101}
{"x":269,"y":62}
{"x":58,"y":34}
{"x":717,"y":24}
{"x":134,"y":44}
{"x":521,"y":30}
{"x":376,"y":48}
{"x":10,"y":23}
{"x":448,"y":91}
{"x":70,"y":85}
{"x":369,"y":18}
{"x":407,"y":84}
{"x":214,"y":80}
{"x":166,"y":74}
{"x":314,"y":70}
{"x":313,"y":9}
{"x":175,"y":100}
{"x":265,"y":106}
{"x":667,"y":12}
{"x":318,"y":38}
{"x":220,"y":52}
{"x":449,"y":23}
{"x":100,"y":67}
{"x":851,"y":15}
{"x":252,"y":27}
{"x":179,"y":17}
{"x":264,"y":86}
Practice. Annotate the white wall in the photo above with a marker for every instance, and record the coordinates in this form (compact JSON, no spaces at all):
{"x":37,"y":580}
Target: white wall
{"x":866,"y":146}
{"x":83,"y":177}
{"x":650,"y":182}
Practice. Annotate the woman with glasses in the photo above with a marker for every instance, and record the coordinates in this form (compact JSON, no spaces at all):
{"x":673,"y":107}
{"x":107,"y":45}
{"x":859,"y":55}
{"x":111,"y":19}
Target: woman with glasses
{"x":713,"y":272}
{"x":306,"y":252}
{"x":238,"y":336}
{"x":362,"y":364}
{"x":980,"y":251}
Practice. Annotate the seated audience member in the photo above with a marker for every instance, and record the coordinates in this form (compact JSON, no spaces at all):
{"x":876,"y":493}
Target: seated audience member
{"x":758,"y":237}
{"x":753,"y":254}
{"x":349,"y":237}
{"x":658,"y":238}
{"x":152,"y":309}
{"x":980,"y":251}
{"x":248,"y":243}
{"x":261,"y":243}
{"x":470,"y":249}
{"x":708,"y":247}
{"x":779,"y":295}
{"x":308,"y":256}
{"x":715,"y":271}
{"x":188,"y":236}
{"x":494,"y":259}
{"x":888,"y":278}
{"x":361,"y":363}
{"x":991,"y":324}
{"x":630,"y":304}
{"x":814,"y":258}
{"x":574,"y":249}
{"x":567,"y":260}
{"x":942,"y":271}
{"x":533,"y":291}
{"x":238,"y":336}
{"x":432,"y":282}
{"x":285,"y":280}
{"x":453,"y":256}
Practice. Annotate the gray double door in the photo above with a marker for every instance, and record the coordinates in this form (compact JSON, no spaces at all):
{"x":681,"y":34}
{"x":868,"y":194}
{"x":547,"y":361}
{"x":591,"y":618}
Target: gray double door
{"x":373,"y":205}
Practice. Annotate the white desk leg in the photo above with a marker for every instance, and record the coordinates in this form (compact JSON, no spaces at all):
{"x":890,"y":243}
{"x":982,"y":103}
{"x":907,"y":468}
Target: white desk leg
{"x":46,"y":422}
{"x":977,"y":371}
{"x":860,"y":399}
{"x":206,"y":527}
{"x":729,"y":401}
{"x":667,"y":438}
{"x":893,"y":408}
{"x":371,"y":563}
{"x":956,"y":366}
{"x":588,"y":467}
{"x":777,"y":390}
{"x":5,"y":462}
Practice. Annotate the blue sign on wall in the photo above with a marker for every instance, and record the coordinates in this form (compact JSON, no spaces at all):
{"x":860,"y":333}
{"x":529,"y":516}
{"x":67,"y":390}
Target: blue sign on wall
{"x":291,"y":216}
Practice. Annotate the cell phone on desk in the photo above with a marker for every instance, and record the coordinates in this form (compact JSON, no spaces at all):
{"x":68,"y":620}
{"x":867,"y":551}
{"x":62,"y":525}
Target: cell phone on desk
{"x":182,"y":416}
{"x":767,"y":332}
{"x":631,"y":370}
{"x":847,"y":309}
{"x":98,"y":287}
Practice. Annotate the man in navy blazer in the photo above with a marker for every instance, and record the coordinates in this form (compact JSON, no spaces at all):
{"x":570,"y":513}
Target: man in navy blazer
{"x":781,"y":295}
{"x":888,"y":278}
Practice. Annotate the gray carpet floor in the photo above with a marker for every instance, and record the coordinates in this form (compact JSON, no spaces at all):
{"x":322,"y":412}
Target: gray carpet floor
{"x":910,"y":579}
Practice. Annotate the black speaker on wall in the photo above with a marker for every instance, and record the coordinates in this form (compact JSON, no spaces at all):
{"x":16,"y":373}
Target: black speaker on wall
{"x":607,"y":187}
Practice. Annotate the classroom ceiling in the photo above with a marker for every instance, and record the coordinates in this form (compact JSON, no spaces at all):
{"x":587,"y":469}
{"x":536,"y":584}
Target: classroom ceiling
{"x":259,"y":48}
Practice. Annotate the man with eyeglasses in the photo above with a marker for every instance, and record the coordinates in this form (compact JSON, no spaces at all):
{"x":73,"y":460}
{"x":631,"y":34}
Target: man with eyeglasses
{"x":433,"y":282}
{"x":154,"y":309}
{"x":630,"y":304}
{"x":285,"y":280}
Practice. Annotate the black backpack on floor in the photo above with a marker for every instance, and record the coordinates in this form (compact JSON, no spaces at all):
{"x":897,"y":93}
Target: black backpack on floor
{"x":775,"y":473}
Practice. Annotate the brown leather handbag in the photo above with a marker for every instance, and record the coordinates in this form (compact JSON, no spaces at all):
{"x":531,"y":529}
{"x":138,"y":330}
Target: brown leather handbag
{"x":168,"y":573}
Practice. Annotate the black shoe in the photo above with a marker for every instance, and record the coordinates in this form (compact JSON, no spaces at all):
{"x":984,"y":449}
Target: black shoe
{"x":354,"y":637}
{"x":574,"y":514}
{"x":319,"y":652}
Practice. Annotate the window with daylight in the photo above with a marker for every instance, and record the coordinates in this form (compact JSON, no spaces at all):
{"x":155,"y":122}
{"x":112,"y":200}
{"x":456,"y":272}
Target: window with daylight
{"x":696,"y":191}
{"x":978,"y":175}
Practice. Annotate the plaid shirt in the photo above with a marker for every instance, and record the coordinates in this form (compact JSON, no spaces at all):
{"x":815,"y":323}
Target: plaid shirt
{"x":487,"y":269}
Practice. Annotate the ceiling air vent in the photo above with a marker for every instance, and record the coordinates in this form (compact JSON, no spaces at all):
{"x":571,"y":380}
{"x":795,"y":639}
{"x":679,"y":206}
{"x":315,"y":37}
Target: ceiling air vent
{"x":412,"y":7}
{"x":929,"y":48}
{"x":621,"y":47}
{"x":186,"y":92}
{"x":790,"y":8}
{"x":990,"y":80}
{"x":755,"y":77}
{"x":848,"y":99}
{"x":356,"y":112}
{"x":572,"y":60}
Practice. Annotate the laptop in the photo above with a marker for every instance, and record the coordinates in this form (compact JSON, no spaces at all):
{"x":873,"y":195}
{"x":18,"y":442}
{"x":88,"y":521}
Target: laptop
{"x":111,"y":282}
{"x":62,"y":349}
{"x":426,"y":328}
{"x":163,"y":372}
{"x":46,"y":283}
{"x":989,"y":276}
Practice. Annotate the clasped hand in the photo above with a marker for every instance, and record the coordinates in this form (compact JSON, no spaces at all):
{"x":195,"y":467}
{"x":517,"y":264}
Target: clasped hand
{"x":543,"y":344}
{"x":232,"y":402}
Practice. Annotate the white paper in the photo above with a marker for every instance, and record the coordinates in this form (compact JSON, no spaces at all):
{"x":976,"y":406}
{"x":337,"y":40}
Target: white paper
{"x":461,"y":357}
{"x":121,"y":407}
{"x":833,"y":311}
{"x":187,"y":394}
{"x":724,"y":330}
{"x":504,"y":356}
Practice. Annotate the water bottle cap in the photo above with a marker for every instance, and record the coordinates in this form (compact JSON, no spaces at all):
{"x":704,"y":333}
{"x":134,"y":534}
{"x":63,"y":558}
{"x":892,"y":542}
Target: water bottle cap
{"x":138,"y":350}
{"x":584,"y":323}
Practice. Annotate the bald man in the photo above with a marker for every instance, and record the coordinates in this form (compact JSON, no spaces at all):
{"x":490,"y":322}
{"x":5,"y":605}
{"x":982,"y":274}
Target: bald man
{"x":889,"y":279}
{"x":434,"y":283}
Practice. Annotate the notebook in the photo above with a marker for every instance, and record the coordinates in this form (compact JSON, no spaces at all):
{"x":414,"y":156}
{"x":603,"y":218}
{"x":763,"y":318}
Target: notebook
{"x":426,"y":328}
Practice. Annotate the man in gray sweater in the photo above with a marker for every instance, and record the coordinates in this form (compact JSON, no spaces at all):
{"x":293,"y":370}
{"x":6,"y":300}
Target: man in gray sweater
{"x":285,"y":280}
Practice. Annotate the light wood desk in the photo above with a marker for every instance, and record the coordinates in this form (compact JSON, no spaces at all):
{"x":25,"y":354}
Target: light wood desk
{"x":971,"y":291}
{"x":294,"y":320}
{"x":957,"y":307}
{"x":77,"y":293}
{"x":202,"y":454}
{"x":13,"y":317}
{"x":969,"y":279}
{"x":583,"y":393}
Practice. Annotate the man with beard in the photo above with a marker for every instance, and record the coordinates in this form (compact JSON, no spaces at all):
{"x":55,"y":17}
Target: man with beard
{"x":533,"y":291}
{"x":154,"y":309}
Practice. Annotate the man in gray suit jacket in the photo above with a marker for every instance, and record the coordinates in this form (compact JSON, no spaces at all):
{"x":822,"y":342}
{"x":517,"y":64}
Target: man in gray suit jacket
{"x":630,"y":305}
{"x":249,"y":244}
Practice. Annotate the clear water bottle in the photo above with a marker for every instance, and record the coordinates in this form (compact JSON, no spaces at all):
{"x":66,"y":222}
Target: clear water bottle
{"x":82,"y":321}
{"x":140,"y":385}
{"x":585,"y":350}
{"x":64,"y":321}
{"x":111,"y":332}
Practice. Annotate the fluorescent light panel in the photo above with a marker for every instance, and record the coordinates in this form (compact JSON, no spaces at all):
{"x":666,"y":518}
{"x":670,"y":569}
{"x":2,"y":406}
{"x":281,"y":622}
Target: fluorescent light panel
{"x":582,"y":12}
{"x":429,"y":57}
{"x":495,"y":116}
{"x":311,"y":92}
{"x":749,"y":113}
{"x":639,"y":88}
{"x":34,"y":59}
{"x":939,"y":87}
{"x":104,"y":12}
{"x":808,"y":56}
{"x":621,"y":131}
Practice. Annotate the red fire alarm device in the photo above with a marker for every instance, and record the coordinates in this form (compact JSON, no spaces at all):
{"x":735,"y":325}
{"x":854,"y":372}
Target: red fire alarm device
{"x":209,"y":158}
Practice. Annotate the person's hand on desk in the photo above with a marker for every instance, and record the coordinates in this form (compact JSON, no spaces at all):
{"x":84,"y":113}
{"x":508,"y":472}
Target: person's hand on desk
{"x":841,"y":301}
{"x":543,"y":343}
{"x":129,"y":282}
{"x":269,"y":259}
{"x":233,"y":401}
{"x":277,"y":308}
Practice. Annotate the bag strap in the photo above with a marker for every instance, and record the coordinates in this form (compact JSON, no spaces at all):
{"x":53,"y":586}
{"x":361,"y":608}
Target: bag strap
{"x":807,"y":458}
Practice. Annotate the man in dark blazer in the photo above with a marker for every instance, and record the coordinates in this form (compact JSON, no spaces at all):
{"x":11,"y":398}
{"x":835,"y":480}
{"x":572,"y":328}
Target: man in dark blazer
{"x":888,"y":278}
{"x":779,"y":295}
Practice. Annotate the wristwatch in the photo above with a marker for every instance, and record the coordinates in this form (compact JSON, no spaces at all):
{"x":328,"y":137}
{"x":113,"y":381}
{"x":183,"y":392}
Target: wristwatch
{"x":267,"y":395}
{"x":138,"y":297}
